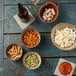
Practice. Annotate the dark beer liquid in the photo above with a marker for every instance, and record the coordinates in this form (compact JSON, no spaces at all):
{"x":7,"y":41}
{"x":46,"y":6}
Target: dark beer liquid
{"x":23,"y":13}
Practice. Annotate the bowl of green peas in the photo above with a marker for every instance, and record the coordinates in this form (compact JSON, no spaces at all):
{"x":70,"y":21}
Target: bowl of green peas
{"x":32,"y":60}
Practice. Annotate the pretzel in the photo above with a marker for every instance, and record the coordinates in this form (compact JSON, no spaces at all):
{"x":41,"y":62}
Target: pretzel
{"x":15,"y":52}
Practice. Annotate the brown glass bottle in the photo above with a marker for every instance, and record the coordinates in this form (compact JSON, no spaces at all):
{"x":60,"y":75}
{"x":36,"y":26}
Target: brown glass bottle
{"x":23,"y":13}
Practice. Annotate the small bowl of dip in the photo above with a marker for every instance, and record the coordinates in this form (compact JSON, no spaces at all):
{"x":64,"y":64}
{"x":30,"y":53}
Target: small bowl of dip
{"x":32,"y":60}
{"x":65,"y":68}
{"x":48,"y":12}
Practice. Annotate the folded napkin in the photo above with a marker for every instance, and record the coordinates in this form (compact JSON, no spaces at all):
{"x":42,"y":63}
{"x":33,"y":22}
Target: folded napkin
{"x":57,"y":67}
{"x":22,"y":24}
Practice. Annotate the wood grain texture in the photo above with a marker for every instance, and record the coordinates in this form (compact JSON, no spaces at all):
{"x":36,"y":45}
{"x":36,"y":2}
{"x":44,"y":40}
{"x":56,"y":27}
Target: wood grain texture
{"x":45,"y":48}
{"x":38,"y":1}
{"x":50,"y":54}
{"x":66,"y":15}
{"x":1,"y":10}
{"x":1,"y":47}
{"x":1,"y":39}
{"x":47,"y":68}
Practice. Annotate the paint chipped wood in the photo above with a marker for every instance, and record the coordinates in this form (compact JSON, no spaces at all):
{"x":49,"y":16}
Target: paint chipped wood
{"x":66,"y":15}
{"x":46,"y":69}
{"x":45,"y":48}
{"x":39,"y":1}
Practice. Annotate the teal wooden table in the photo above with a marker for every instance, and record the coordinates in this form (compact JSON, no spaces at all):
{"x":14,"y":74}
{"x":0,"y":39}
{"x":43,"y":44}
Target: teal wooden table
{"x":10,"y":32}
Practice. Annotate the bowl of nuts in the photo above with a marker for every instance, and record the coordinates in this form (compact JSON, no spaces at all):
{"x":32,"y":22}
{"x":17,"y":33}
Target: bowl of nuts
{"x":30,"y":38}
{"x":14,"y":52}
{"x":48,"y":12}
{"x":32,"y":60}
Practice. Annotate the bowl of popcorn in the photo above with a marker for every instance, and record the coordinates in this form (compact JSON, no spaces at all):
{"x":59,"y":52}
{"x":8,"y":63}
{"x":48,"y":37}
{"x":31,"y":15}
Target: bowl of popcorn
{"x":48,"y":12}
{"x":14,"y":52}
{"x":32,"y":60}
{"x":30,"y":38}
{"x":63,"y":36}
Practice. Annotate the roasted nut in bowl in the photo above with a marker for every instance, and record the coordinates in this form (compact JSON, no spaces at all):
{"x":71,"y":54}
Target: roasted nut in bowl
{"x":30,"y":38}
{"x":63,"y":36}
{"x":14,"y":52}
{"x":48,"y":12}
{"x":32,"y":60}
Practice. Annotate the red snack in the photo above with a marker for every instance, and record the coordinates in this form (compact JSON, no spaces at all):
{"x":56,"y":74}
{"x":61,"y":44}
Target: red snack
{"x":65,"y":68}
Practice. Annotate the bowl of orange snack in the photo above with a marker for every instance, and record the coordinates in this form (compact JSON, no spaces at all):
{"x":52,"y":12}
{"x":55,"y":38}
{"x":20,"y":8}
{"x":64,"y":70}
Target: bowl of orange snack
{"x":14,"y":52}
{"x":30,"y":38}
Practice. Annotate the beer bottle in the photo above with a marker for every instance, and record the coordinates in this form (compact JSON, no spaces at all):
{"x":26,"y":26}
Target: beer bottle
{"x":23,"y":13}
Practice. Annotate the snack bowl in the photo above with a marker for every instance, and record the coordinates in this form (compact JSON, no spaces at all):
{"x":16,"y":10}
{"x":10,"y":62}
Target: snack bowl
{"x":16,"y":53}
{"x":31,"y":37}
{"x":49,"y":4}
{"x":63,"y":66}
{"x":61,"y":26}
{"x":30,"y":59}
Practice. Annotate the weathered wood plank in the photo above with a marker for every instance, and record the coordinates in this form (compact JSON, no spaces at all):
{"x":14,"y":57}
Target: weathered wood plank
{"x":13,"y":64}
{"x":14,"y":72}
{"x":66,"y":14}
{"x":1,"y":47}
{"x":1,"y":38}
{"x":47,"y":68}
{"x":45,"y":48}
{"x":38,"y":1}
{"x":1,"y":10}
{"x":1,"y":73}
{"x":1,"y":2}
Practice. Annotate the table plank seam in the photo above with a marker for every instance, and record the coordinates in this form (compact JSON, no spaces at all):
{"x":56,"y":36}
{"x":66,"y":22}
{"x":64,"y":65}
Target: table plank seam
{"x":54,"y":57}
{"x":33,"y":4}
{"x":21,"y":33}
